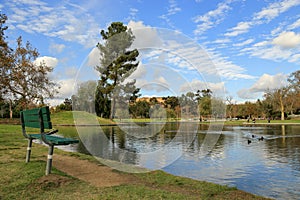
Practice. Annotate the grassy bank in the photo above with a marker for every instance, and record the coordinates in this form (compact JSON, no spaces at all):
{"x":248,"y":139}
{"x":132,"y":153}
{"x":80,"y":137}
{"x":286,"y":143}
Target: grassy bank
{"x":19,"y":180}
{"x":67,"y":118}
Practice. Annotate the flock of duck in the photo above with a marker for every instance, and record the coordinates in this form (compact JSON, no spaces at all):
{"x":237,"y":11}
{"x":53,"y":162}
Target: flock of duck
{"x":259,"y":139}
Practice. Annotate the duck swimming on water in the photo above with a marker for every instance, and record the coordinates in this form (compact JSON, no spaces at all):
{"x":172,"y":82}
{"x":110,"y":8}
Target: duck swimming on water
{"x":261,"y":138}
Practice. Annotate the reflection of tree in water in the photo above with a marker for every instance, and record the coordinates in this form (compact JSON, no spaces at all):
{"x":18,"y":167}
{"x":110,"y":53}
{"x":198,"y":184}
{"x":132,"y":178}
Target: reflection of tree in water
{"x":198,"y":142}
{"x":81,"y":148}
{"x":117,"y":137}
{"x":170,"y":134}
{"x":285,"y":147}
{"x":101,"y":145}
{"x":200,"y":138}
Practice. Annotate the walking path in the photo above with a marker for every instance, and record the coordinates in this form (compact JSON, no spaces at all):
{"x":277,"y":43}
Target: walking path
{"x":96,"y":174}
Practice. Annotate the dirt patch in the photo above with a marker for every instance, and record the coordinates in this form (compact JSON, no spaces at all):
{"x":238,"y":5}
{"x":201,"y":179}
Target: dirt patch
{"x":98,"y":175}
{"x":53,"y":180}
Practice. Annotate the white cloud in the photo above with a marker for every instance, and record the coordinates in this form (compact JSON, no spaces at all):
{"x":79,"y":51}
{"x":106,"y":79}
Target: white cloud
{"x":264,"y":16}
{"x":71,"y":72}
{"x":242,"y":27}
{"x":261,"y":44}
{"x":133,"y":12}
{"x":272,"y":53}
{"x":145,"y":36}
{"x":246,"y":42}
{"x":222,"y":41}
{"x":65,"y":91}
{"x":283,"y":47}
{"x":177,"y":50}
{"x":66,"y":88}
{"x":162,"y":81}
{"x":270,"y":82}
{"x":287,"y":40}
{"x":172,"y":10}
{"x":194,"y":85}
{"x":49,"y":61}
{"x":227,"y":69}
{"x":295,"y":25}
{"x":156,"y":86}
{"x":56,"y":48}
{"x":295,"y":58}
{"x":274,"y":9}
{"x":68,"y":23}
{"x":211,"y":18}
{"x":264,"y":83}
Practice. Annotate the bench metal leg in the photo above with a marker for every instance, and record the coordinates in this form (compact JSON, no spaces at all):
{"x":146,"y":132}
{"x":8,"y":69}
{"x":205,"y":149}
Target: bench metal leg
{"x":28,"y":150}
{"x":49,"y":159}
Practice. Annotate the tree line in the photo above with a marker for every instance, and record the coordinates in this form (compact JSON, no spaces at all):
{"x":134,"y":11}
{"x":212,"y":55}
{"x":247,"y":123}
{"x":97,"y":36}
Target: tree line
{"x":276,"y":104}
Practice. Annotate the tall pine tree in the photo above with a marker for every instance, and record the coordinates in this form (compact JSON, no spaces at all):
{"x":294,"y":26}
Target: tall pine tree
{"x":117,"y":62}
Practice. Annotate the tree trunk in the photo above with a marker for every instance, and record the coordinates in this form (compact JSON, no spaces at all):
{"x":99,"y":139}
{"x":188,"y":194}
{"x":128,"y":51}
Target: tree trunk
{"x":10,"y":109}
{"x":113,"y":109}
{"x":281,"y":108}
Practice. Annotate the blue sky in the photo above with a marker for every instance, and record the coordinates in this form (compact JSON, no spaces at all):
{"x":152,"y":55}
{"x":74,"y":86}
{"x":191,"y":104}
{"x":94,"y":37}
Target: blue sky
{"x":252,"y":44}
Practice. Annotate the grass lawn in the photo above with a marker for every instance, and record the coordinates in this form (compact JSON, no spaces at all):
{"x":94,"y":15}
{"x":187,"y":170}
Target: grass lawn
{"x":20,"y":180}
{"x":67,"y":118}
{"x":279,"y":121}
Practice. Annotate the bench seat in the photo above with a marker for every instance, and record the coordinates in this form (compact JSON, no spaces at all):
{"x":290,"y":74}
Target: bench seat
{"x":56,"y":140}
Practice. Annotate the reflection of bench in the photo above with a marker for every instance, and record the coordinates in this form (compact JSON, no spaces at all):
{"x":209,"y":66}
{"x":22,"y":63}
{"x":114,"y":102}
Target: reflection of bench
{"x":40,"y":118}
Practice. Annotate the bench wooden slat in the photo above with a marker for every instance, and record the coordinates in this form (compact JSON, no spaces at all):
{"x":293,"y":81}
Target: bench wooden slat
{"x":32,"y":119}
{"x":34,"y":111}
{"x":35,"y":124}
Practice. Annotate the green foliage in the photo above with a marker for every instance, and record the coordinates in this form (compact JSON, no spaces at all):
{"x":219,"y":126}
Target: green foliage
{"x":204,"y":98}
{"x":6,"y":107}
{"x":65,"y":106}
{"x":171,"y":102}
{"x":140,"y":109}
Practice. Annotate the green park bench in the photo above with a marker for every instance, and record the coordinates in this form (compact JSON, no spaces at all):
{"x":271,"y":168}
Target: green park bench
{"x":40,"y":118}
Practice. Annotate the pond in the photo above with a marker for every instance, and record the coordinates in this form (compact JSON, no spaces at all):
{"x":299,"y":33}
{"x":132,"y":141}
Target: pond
{"x":263,"y":160}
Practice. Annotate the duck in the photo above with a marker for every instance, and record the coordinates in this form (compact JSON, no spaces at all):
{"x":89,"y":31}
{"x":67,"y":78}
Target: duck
{"x":261,"y":138}
{"x":249,"y":141}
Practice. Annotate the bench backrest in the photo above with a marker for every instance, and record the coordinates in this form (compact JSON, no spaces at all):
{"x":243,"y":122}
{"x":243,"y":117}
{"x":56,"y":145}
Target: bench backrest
{"x":36,"y":118}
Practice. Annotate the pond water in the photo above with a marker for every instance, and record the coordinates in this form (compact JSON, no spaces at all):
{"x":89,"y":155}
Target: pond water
{"x":239,"y":157}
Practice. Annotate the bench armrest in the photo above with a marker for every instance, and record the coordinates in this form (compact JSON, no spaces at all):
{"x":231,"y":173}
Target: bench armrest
{"x":51,"y":132}
{"x":44,"y":134}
